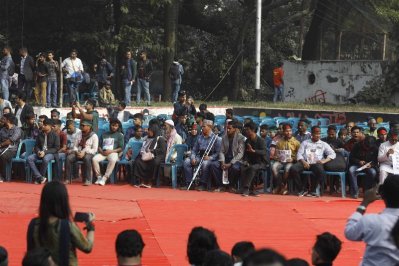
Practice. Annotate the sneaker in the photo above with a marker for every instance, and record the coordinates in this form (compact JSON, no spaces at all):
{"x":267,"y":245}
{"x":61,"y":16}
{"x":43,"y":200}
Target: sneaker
{"x":103,"y":181}
{"x":303,"y":193}
{"x":42,"y":180}
{"x":1,"y":179}
{"x":136,"y":186}
{"x":87,"y":183}
{"x":314,"y":195}
{"x":145,"y":186}
{"x":245,"y":192}
{"x":99,"y":179}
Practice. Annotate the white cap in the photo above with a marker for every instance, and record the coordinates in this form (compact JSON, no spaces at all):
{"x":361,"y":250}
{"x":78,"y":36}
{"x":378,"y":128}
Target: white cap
{"x":170,"y":122}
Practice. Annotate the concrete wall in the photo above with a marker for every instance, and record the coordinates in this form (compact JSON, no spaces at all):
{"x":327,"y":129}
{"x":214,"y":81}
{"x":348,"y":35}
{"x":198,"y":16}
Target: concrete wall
{"x":327,"y":81}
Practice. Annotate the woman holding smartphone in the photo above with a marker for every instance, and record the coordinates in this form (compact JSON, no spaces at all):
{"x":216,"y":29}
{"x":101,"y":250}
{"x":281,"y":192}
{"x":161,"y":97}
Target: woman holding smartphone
{"x":54,"y":230}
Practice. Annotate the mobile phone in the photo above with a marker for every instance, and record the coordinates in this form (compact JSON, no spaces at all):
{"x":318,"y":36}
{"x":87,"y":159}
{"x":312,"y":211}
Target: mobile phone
{"x":81,"y":217}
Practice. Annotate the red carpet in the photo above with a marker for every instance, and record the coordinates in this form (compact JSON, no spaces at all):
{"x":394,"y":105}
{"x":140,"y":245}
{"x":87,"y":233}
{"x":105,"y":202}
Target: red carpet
{"x":165,"y":217}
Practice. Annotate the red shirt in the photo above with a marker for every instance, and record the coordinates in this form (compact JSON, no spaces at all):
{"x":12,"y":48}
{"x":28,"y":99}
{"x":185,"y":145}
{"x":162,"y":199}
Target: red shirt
{"x":63,"y":139}
{"x":278,"y":74}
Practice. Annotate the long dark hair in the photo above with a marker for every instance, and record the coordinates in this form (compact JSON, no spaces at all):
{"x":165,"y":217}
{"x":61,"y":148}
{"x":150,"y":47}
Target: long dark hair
{"x":54,"y":201}
{"x":155,"y":129}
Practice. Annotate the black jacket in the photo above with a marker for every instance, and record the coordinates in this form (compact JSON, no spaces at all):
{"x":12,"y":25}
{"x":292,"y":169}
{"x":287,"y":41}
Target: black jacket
{"x":260,"y":155}
{"x":25,"y":111}
{"x":53,"y":143}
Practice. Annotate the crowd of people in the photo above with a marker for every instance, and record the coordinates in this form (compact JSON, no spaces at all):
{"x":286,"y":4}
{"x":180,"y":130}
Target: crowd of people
{"x":40,"y":77}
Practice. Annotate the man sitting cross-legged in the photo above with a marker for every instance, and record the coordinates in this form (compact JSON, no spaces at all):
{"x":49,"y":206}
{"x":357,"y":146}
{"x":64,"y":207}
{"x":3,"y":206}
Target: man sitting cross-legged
{"x":285,"y":157}
{"x":47,"y":144}
{"x":111,"y":144}
{"x":312,"y":155}
{"x":230,"y":156}
{"x":84,"y":149}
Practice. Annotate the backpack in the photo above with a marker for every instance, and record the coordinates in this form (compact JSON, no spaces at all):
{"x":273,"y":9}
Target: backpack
{"x":11,"y":68}
{"x":174,"y":72}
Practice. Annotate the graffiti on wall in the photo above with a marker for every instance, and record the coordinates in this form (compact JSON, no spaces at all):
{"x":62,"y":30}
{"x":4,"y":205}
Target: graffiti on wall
{"x":334,"y":117}
{"x":319,"y":96}
{"x":290,"y":93}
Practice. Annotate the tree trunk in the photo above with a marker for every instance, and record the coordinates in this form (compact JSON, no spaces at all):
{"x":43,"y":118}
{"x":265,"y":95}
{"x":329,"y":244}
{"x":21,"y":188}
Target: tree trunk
{"x":171,"y":16}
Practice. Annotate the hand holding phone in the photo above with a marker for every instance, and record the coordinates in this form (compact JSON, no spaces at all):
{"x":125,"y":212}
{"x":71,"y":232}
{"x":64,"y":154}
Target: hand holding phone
{"x":84,"y":217}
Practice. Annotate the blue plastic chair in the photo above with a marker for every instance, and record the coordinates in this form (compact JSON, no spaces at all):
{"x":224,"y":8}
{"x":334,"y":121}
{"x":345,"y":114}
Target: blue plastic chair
{"x":136,"y":147}
{"x":29,"y":145}
{"x":294,"y":121}
{"x":313,"y":121}
{"x":181,"y":149}
{"x":324,"y":121}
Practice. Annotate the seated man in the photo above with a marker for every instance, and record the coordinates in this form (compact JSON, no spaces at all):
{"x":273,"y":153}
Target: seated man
{"x":372,"y":130}
{"x":312,"y":155}
{"x":30,"y":128}
{"x":63,"y":146}
{"x":84,"y":149}
{"x":106,"y":97}
{"x":364,"y":154}
{"x":200,"y":146}
{"x":129,"y":247}
{"x":230,"y":156}
{"x":356,"y":136}
{"x":10,"y":136}
{"x":286,"y":150}
{"x":47,"y":144}
{"x":381,"y":136}
{"x":302,"y":134}
{"x":255,"y":158}
{"x":339,"y":163}
{"x":385,"y":153}
{"x":181,"y":126}
{"x":276,"y":136}
{"x":137,"y":121}
{"x":111,"y":144}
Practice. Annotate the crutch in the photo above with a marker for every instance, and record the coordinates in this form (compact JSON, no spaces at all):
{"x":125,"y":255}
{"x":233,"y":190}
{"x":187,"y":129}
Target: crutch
{"x":207,"y":151}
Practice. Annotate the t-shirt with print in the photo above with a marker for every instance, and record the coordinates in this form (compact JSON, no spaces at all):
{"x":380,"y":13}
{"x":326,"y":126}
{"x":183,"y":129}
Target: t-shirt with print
{"x":111,"y":141}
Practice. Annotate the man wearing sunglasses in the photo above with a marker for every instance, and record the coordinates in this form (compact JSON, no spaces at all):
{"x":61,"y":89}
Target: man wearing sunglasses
{"x":387,"y":153}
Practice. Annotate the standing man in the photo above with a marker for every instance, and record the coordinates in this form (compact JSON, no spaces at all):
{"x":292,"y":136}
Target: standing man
{"x":26,"y":70}
{"x":129,"y":73}
{"x":90,"y":114}
{"x":10,"y":136}
{"x":41,"y":80}
{"x":119,"y":112}
{"x":104,"y":73}
{"x":255,"y":157}
{"x":278,"y":79}
{"x":53,"y":68}
{"x":144,"y":67}
{"x":176,"y":72}
{"x":47,"y":144}
{"x":6,"y":67}
{"x":73,"y":70}
{"x":22,"y":109}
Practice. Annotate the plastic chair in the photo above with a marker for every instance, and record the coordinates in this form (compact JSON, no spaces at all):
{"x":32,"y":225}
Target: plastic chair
{"x":324,"y":121}
{"x":294,"y":121}
{"x":29,"y":145}
{"x":136,"y":147}
{"x":181,"y":149}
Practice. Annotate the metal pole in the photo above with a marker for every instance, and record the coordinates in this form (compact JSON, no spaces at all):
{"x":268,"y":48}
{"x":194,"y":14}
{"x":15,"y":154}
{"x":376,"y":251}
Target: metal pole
{"x":384,"y":48}
{"x":258,"y":41}
{"x":61,"y":83}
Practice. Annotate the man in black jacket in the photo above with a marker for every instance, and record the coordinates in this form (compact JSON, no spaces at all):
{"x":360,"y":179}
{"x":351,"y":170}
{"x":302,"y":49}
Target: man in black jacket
{"x":22,"y":109}
{"x":119,"y":112}
{"x":47,"y":144}
{"x":255,"y":157}
{"x":26,"y":70}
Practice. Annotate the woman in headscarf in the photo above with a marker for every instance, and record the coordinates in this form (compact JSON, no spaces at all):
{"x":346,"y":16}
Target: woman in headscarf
{"x":152,"y":154}
{"x":172,"y":138}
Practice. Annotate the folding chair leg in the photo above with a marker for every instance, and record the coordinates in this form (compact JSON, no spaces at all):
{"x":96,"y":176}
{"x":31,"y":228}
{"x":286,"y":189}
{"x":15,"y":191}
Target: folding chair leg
{"x":174,"y":176}
{"x":343,"y":185}
{"x":50,"y":171}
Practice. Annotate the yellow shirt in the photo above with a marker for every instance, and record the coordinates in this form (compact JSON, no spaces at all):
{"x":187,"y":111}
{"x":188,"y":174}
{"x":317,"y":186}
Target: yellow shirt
{"x":291,"y":144}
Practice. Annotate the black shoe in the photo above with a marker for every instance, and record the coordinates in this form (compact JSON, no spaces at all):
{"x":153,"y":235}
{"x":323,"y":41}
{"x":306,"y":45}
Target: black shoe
{"x":245,"y":192}
{"x":254,"y":194}
{"x":201,"y":188}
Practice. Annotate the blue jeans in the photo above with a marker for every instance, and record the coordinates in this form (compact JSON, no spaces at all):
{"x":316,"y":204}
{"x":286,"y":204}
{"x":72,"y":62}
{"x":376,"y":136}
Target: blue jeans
{"x":4,"y":88}
{"x":278,"y":93}
{"x":128,"y":91}
{"x":73,"y":90}
{"x":205,"y":167}
{"x":52,"y":92}
{"x":368,"y":178}
{"x":144,"y":85}
{"x":43,"y":167}
{"x":175,"y":91}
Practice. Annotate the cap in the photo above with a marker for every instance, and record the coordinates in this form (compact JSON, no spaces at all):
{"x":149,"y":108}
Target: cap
{"x":170,"y":122}
{"x":207,"y":122}
{"x":182,"y":93}
{"x":86,"y":123}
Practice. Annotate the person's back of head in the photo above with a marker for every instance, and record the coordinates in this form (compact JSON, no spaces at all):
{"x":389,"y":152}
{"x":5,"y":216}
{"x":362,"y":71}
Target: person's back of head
{"x":3,"y":256}
{"x":326,"y":248}
{"x":38,"y":257}
{"x":200,"y":242}
{"x":297,"y":262}
{"x":241,"y":250}
{"x":389,"y":191}
{"x":265,"y":257}
{"x":129,"y":247}
{"x":217,"y":258}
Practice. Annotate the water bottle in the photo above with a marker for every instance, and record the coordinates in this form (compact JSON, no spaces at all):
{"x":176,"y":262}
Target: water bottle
{"x":225,"y":177}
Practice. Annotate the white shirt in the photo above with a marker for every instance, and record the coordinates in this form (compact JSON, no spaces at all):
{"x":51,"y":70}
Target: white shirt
{"x":18,"y":115}
{"x":315,"y":151}
{"x":91,"y":146}
{"x":72,"y":66}
{"x":71,"y":137}
{"x":120,"y":116}
{"x":375,"y":230}
{"x":21,"y":68}
{"x":386,"y":161}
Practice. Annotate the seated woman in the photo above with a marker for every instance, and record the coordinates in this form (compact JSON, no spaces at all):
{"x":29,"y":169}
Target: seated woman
{"x":54,"y":230}
{"x":152,"y":154}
